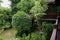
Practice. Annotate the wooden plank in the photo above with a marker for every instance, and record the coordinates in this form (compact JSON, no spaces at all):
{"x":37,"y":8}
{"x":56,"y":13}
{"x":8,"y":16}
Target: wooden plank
{"x":53,"y":34}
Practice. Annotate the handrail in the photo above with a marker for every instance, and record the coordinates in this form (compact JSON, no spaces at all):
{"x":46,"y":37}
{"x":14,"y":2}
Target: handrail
{"x":53,"y":37}
{"x":49,"y":19}
{"x":56,"y":22}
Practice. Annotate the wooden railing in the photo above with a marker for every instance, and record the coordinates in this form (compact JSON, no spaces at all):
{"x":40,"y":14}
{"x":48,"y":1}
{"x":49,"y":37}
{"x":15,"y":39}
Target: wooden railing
{"x":49,"y":19}
{"x":53,"y":37}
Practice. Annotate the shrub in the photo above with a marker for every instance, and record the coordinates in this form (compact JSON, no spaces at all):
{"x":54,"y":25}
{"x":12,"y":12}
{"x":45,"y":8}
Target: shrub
{"x":1,"y":20}
{"x":47,"y":28}
{"x":5,"y":17}
{"x":34,"y":36}
{"x":21,"y":22}
{"x":25,"y":5}
{"x":7,"y":25}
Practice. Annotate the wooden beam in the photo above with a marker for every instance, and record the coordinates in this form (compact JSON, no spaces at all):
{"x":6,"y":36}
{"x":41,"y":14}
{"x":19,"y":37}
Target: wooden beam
{"x":48,"y":19}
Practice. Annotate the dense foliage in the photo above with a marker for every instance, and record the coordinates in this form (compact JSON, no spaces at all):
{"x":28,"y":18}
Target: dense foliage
{"x":24,"y":16}
{"x":33,"y":8}
{"x":1,"y":20}
{"x":45,"y":35}
{"x":47,"y":28}
{"x":38,"y":11}
{"x":5,"y":16}
{"x":34,"y":36}
{"x":21,"y":22}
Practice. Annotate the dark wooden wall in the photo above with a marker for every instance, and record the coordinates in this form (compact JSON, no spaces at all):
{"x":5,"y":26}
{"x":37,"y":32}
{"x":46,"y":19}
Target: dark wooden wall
{"x":51,"y":12}
{"x":57,"y":2}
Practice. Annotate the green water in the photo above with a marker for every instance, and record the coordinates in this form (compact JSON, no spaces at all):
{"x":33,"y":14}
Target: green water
{"x":8,"y":35}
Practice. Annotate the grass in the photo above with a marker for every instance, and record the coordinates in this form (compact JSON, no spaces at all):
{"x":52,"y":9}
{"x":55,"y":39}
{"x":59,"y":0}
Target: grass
{"x":8,"y":35}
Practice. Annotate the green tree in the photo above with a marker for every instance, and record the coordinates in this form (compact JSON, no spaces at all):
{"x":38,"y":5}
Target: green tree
{"x":38,"y":10}
{"x":25,"y":5}
{"x":5,"y":15}
{"x":21,"y":22}
{"x":13,"y":6}
{"x":35,"y":9}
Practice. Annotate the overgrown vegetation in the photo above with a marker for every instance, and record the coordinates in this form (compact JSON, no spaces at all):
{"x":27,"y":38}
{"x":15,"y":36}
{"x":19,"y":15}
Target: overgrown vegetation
{"x":35,"y":11}
{"x":24,"y":16}
{"x":47,"y":28}
{"x":21,"y":22}
{"x":34,"y":36}
{"x":5,"y":16}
